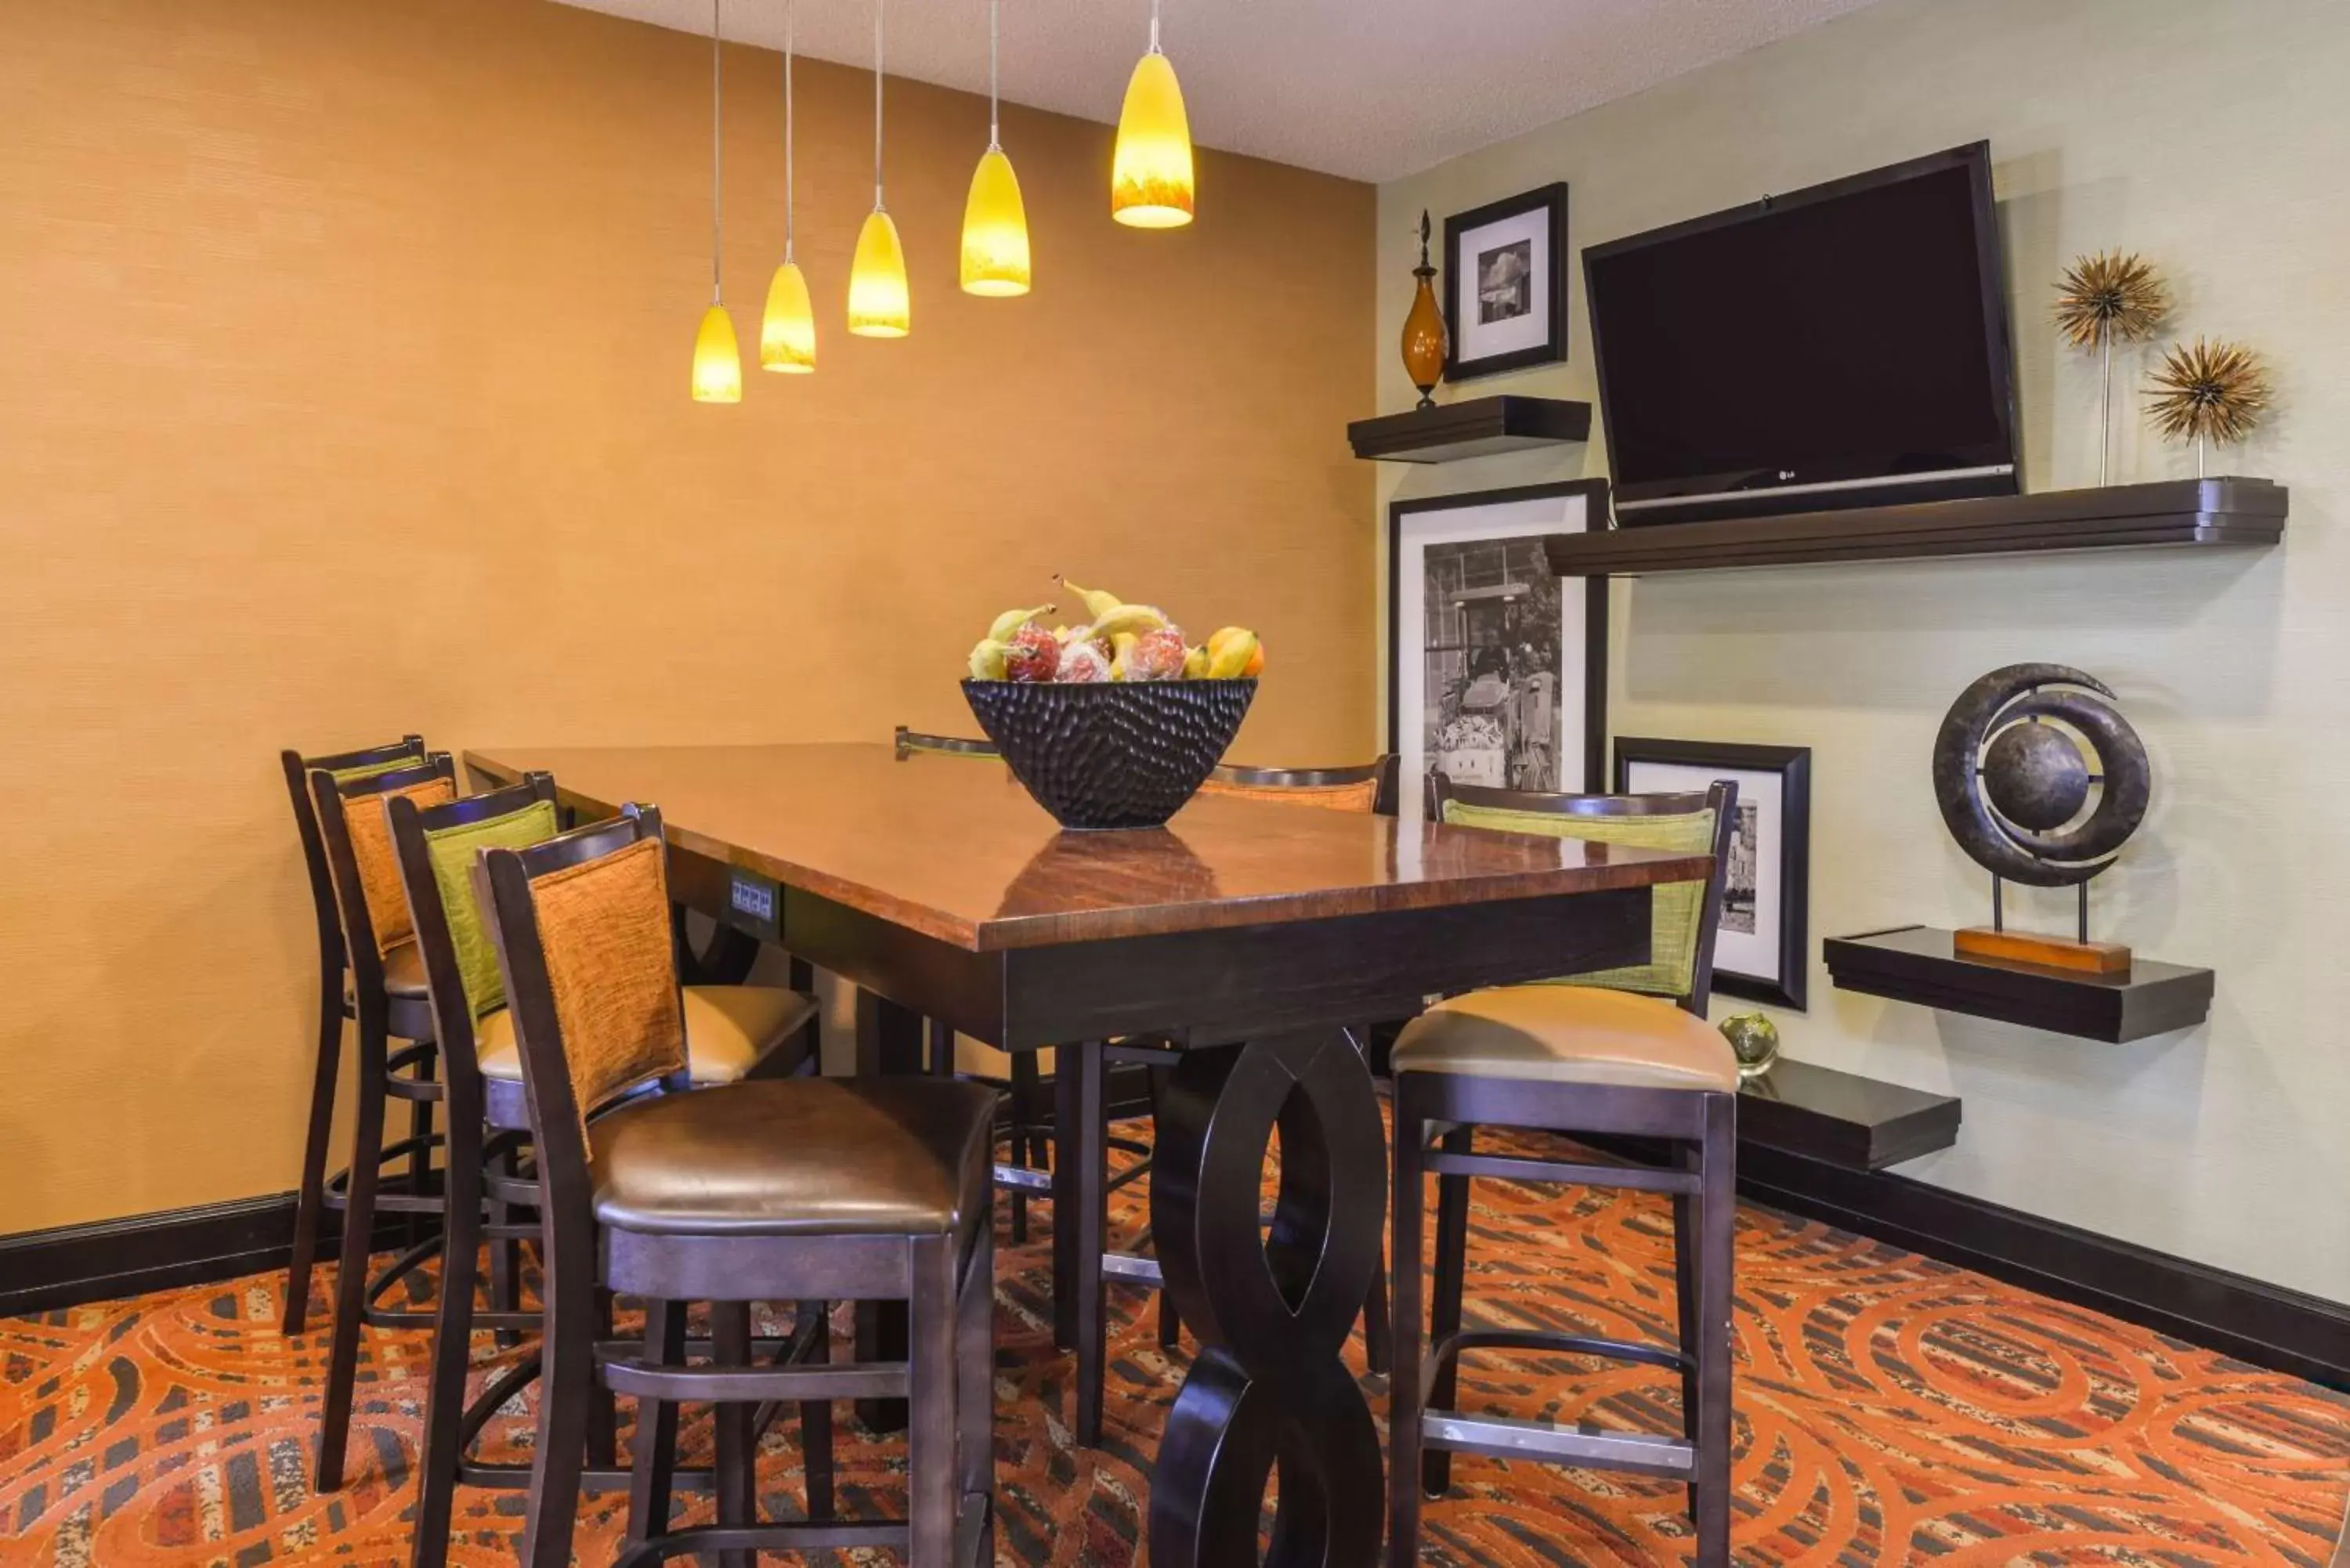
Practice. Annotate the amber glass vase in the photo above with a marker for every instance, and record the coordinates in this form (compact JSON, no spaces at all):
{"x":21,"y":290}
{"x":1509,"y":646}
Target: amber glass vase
{"x":1423,"y":336}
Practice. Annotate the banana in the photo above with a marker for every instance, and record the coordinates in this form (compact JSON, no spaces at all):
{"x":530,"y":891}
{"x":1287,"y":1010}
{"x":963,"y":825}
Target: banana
{"x":1231,"y":656}
{"x":1011,"y":621}
{"x":1097,"y":603}
{"x":1121,"y":644}
{"x":987,"y":660}
{"x":1195,"y":663}
{"x":1135,"y":618}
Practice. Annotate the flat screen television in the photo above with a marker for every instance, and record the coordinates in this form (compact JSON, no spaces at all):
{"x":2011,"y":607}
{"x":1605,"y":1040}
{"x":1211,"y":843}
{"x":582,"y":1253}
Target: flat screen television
{"x":1845,"y":345}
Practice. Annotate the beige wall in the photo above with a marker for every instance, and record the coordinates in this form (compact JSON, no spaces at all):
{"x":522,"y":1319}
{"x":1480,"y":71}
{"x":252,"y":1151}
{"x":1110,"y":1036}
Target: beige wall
{"x":344,"y":393}
{"x":2213,"y":137}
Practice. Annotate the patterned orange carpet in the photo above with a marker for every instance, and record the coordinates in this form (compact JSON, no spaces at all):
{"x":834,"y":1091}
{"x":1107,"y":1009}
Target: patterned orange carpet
{"x":1891,"y":1410}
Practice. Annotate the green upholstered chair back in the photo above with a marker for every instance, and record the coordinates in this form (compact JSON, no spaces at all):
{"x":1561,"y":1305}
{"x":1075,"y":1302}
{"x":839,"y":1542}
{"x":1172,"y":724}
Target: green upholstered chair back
{"x":1686,"y":914}
{"x":436,"y":848}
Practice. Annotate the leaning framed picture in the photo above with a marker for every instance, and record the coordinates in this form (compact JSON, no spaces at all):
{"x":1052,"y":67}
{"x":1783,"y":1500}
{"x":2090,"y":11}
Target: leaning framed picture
{"x":1766,"y":895}
{"x":1505,"y":284}
{"x":1497,"y":667}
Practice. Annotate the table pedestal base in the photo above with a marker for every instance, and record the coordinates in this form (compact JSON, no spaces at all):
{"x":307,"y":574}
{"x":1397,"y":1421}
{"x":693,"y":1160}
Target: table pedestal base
{"x":1271,"y":1313}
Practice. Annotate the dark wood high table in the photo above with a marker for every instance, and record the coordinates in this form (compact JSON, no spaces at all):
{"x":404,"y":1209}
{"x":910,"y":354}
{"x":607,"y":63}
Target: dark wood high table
{"x":1253,"y":933}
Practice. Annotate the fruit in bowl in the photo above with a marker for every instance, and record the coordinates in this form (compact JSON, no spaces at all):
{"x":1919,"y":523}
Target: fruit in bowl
{"x":1136,"y":642}
{"x":1116,"y":722}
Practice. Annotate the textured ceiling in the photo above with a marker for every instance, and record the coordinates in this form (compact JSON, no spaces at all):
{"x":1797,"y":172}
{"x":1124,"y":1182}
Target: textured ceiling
{"x":1373,"y":89}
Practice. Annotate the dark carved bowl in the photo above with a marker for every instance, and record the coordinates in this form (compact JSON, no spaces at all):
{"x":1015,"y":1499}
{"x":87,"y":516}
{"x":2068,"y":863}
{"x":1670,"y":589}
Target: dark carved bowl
{"x":1111,"y":754}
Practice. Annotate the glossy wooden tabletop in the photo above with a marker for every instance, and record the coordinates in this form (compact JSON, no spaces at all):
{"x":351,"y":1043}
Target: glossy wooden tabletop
{"x":953,"y":848}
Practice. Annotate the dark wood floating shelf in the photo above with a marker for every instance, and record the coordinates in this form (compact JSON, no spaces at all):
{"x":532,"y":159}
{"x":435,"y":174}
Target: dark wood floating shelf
{"x":2197,"y":511}
{"x":1920,"y":964}
{"x":1478,"y":427}
{"x":1841,"y":1119}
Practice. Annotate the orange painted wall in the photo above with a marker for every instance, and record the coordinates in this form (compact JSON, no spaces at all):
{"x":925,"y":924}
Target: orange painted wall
{"x":343,"y":393}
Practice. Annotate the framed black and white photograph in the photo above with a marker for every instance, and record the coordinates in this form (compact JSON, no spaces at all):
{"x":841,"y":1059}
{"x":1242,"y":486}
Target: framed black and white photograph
{"x":1497,"y":668}
{"x":1505,"y":284}
{"x":1766,"y":892}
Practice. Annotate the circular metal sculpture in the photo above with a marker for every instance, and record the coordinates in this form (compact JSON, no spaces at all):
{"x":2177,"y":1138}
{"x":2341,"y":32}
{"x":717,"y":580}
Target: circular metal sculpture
{"x":2008,"y":782}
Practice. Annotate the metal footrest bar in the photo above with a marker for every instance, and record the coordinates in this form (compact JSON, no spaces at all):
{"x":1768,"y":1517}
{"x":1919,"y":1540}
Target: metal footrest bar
{"x":755,"y":1385}
{"x":1548,"y":1343}
{"x":1505,"y":1438}
{"x":895,"y":1536}
{"x":510,"y":1476}
{"x":1129,"y":1269}
{"x":1021,"y":1179}
{"x":1510,"y":1168}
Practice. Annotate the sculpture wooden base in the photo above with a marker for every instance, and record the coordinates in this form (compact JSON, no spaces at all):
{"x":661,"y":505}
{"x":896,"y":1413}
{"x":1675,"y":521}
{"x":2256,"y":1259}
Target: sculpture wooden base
{"x":2048,"y":952}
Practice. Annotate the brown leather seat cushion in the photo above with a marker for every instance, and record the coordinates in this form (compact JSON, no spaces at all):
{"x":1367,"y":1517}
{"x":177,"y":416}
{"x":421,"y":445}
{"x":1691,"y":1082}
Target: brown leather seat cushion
{"x":1567,"y":1035}
{"x":797,"y":1157}
{"x":404,"y":971}
{"x":729,"y":1029}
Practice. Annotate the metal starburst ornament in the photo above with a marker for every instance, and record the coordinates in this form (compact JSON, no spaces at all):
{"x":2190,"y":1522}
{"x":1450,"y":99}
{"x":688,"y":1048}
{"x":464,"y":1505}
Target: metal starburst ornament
{"x":2103,"y":299}
{"x":2209,"y":391}
{"x":2111,"y":297}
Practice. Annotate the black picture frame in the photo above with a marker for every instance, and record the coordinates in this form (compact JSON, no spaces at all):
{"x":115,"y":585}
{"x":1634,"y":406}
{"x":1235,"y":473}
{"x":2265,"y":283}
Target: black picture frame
{"x":1793,"y":764}
{"x":1594,"y":493}
{"x":1551,"y":287}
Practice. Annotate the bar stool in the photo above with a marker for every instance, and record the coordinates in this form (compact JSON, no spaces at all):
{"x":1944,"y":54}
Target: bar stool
{"x":732,"y":1033}
{"x":1593,"y":1057}
{"x":799,"y":1189}
{"x":335,"y":1000}
{"x":388,"y":1003}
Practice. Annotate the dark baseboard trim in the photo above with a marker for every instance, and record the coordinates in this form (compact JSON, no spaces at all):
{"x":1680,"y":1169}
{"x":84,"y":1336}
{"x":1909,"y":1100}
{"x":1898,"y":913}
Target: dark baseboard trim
{"x":2267,"y":1325}
{"x":43,"y":1271}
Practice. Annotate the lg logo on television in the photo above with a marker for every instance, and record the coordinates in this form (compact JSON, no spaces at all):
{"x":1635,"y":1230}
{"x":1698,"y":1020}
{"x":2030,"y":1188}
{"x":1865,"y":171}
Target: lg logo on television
{"x":1785,"y":474}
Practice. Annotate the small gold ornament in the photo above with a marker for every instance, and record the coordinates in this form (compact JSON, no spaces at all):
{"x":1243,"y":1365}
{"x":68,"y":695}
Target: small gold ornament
{"x":2111,"y":297}
{"x":2103,"y":299}
{"x":2209,"y":391}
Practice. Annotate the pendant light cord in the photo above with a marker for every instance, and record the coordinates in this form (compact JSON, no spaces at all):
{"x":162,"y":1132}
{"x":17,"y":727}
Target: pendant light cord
{"x":994,"y":117}
{"x":876,"y":105}
{"x":788,"y":208}
{"x":717,"y":153}
{"x":1154,"y":26}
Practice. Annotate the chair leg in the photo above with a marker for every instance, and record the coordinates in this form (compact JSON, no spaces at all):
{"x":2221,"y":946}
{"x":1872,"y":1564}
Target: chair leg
{"x":815,"y":1420}
{"x":736,"y":1455}
{"x":652,"y":1451}
{"x":505,"y":1253}
{"x":1027,"y":1085}
{"x":419,"y":1159}
{"x":568,"y":1377}
{"x":310,"y":1197}
{"x":1083,"y":1146}
{"x":1404,"y":1456}
{"x":351,"y":1269}
{"x":931,"y":1474}
{"x":452,"y":1344}
{"x":1171,"y":1324}
{"x":1378,"y":1340}
{"x":975,"y":1387}
{"x":603,"y":1405}
{"x":1452,"y":1272}
{"x":1717,"y":1226}
{"x":1687,"y":1269}
{"x":1066,"y":1168}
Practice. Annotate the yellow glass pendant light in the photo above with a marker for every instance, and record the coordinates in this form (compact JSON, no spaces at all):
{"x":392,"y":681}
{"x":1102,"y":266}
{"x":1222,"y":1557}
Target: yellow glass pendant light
{"x":995,"y":219}
{"x":717,"y":362}
{"x":1150,"y":182}
{"x":881,"y":304}
{"x":787,"y":333}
